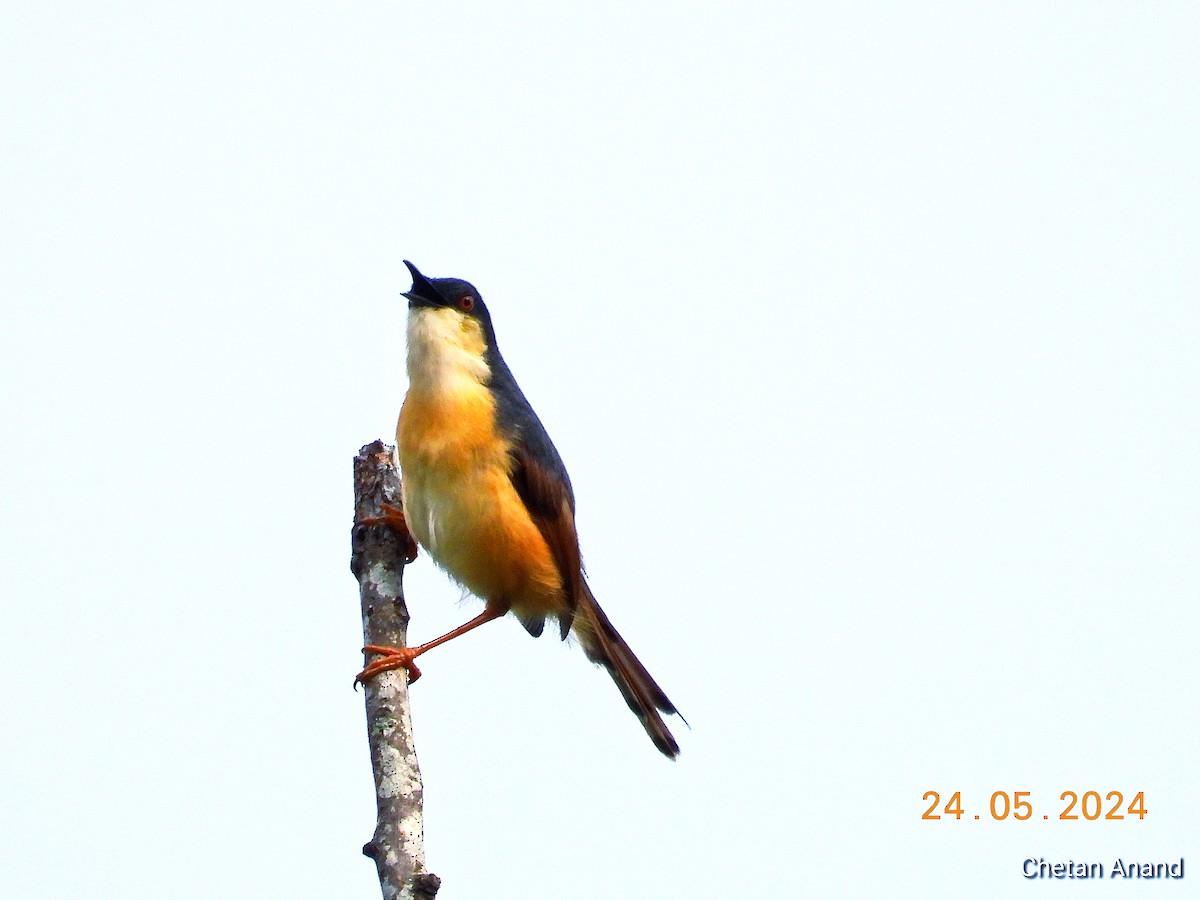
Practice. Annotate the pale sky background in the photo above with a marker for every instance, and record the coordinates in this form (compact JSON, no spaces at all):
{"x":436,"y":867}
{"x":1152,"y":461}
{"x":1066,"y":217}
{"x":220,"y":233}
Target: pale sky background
{"x":867,"y":331}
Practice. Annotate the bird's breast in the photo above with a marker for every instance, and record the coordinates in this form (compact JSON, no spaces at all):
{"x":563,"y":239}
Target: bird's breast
{"x":447,"y":437}
{"x":451,"y":456}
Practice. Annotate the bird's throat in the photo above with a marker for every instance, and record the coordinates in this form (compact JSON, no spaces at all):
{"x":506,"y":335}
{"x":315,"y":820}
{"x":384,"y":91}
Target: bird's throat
{"x":445,"y":351}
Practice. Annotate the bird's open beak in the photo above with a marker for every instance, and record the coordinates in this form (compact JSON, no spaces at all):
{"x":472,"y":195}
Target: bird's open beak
{"x":423,"y":293}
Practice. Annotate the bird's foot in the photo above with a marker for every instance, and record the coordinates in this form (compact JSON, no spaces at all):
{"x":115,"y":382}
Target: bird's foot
{"x":393,"y":517}
{"x":390,"y":658}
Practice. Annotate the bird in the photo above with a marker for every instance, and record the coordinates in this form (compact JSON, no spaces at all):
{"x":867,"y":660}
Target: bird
{"x":487,"y":496}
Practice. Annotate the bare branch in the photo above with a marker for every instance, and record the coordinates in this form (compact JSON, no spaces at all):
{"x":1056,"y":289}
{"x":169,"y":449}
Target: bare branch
{"x":377,"y":561}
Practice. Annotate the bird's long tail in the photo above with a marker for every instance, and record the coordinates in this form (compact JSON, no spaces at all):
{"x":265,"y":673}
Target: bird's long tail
{"x":605,"y":646}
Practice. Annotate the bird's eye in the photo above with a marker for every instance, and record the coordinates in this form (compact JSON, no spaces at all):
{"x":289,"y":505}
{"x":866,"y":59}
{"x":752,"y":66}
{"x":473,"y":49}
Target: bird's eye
{"x":466,"y":303}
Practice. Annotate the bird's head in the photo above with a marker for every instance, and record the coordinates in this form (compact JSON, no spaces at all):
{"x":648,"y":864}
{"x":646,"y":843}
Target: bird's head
{"x":448,"y":312}
{"x":445,"y":293}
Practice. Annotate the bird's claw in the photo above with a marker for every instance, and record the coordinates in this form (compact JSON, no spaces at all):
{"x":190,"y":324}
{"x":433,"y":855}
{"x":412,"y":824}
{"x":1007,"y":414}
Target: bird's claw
{"x":390,"y":658}
{"x":393,"y":517}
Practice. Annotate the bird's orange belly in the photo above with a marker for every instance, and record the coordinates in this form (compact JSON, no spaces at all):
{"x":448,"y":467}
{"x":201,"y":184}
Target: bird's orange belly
{"x":463,"y":509}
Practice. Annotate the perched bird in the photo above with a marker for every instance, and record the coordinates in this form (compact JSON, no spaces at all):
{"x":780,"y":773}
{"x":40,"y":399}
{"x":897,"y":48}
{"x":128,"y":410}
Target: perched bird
{"x":487,"y":495}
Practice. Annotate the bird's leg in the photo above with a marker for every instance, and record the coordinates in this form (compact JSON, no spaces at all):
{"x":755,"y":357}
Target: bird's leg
{"x":402,"y":657}
{"x":393,"y":517}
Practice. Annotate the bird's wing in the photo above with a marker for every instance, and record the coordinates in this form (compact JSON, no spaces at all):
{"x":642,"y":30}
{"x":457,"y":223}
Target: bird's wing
{"x":541,"y":481}
{"x":548,"y":498}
